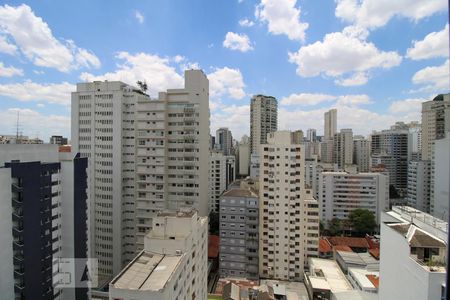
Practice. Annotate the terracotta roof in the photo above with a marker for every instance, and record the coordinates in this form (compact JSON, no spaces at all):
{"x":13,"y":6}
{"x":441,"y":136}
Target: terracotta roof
{"x":342,"y":248}
{"x":324,"y":245}
{"x":375,"y":252}
{"x":374,"y":279}
{"x":213,"y":246}
{"x":373,"y":242}
{"x":352,"y":242}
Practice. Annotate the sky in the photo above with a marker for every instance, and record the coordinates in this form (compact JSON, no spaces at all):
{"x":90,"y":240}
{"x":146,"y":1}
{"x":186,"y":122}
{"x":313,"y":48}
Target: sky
{"x":373,"y":60}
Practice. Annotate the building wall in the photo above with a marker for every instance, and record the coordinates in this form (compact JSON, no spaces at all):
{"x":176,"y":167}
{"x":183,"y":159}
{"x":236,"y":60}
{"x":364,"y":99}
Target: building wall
{"x":239,"y":225}
{"x":263,"y":120}
{"x":222,"y":173}
{"x":418,"y":193}
{"x":330,"y":127}
{"x":361,"y":154}
{"x":244,"y":158}
{"x":6,"y":239}
{"x":343,"y":148}
{"x":441,"y":178}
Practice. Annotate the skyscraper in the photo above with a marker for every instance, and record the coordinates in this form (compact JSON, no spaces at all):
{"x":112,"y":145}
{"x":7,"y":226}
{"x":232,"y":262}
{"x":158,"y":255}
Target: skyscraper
{"x":224,"y":140}
{"x":103,"y":130}
{"x":311,"y":135}
{"x":263,"y":120}
{"x":361,"y":153}
{"x":435,"y":122}
{"x":330,"y":126}
{"x":172,"y":155}
{"x":288,"y":213}
{"x":343,"y":148}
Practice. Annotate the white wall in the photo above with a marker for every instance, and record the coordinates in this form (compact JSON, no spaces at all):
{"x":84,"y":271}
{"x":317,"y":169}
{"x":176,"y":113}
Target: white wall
{"x":6,"y":247}
{"x":441,"y":178}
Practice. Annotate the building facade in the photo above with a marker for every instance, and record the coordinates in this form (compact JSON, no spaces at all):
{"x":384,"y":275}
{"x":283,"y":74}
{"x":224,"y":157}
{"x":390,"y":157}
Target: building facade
{"x":341,"y":192}
{"x":239,"y":225}
{"x":343,"y":148}
{"x":224,"y":141}
{"x":244,"y":157}
{"x":418,"y":192}
{"x":311,"y":135}
{"x":330,"y":126}
{"x":263,"y":120}
{"x":288,"y":213}
{"x":172,"y":152}
{"x":222,"y":173}
{"x":361,"y":154}
{"x":440,"y":179}
{"x":173,"y":264}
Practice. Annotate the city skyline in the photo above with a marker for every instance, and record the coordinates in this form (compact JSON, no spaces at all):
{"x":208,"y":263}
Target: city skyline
{"x":404,"y":50}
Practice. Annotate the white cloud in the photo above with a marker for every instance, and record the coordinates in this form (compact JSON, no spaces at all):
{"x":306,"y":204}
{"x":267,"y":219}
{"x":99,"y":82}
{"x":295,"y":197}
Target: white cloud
{"x":226,"y":81}
{"x":6,"y":46}
{"x":306,"y":99}
{"x":407,"y":107}
{"x":434,"y":44}
{"x":345,"y":53}
{"x":40,"y":105}
{"x":139,"y":16}
{"x":155,"y":70}
{"x":282,"y":17}
{"x":31,"y":91}
{"x":35,"y":40}
{"x":357,"y":78}
{"x":235,"y":117}
{"x":246,"y":23}
{"x":434,"y":78}
{"x":377,"y":13}
{"x":34,"y":124}
{"x":353,"y":100}
{"x":9,"y":71}
{"x":236,"y":41}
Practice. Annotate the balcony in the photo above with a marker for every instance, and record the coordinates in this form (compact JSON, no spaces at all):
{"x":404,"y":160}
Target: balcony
{"x":16,"y":187}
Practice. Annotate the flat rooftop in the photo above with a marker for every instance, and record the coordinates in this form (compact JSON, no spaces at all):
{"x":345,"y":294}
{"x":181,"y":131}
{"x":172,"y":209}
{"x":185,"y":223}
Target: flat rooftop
{"x":178,"y":213}
{"x":366,"y":279}
{"x":147,"y":272}
{"x":326,"y":274}
{"x":239,"y":192}
{"x":365,"y":260}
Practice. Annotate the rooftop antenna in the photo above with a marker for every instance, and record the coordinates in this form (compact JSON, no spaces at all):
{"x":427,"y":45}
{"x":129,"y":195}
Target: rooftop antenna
{"x":17,"y":129}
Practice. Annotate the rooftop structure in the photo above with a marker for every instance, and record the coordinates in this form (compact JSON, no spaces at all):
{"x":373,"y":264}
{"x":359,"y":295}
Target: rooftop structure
{"x":364,"y":280}
{"x":347,"y":260}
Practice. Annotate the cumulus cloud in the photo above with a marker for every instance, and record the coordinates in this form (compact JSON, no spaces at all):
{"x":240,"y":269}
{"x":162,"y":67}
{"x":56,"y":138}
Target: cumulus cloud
{"x":376,"y":13}
{"x":407,"y":107}
{"x":246,"y":23}
{"x":353,"y":100}
{"x":434,"y":78}
{"x":9,"y":71}
{"x":57,"y":93}
{"x":226,"y":82}
{"x":282,"y":17}
{"x":33,"y":37}
{"x":235,"y":117}
{"x":47,"y":124}
{"x":306,"y":99}
{"x":341,"y":54}
{"x":6,"y":46}
{"x":139,"y":16}
{"x":236,"y":41}
{"x":434,"y":44}
{"x":155,"y":70}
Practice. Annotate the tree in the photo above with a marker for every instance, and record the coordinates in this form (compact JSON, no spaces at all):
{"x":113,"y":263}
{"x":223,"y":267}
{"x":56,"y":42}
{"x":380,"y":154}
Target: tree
{"x":334,"y":226}
{"x":213,"y":223}
{"x":143,"y":86}
{"x":362,"y":221}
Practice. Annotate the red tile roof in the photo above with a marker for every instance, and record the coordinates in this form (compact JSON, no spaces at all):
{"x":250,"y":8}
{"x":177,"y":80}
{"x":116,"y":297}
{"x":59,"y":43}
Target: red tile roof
{"x":213,"y":246}
{"x":342,"y":248}
{"x":324,"y":245}
{"x":374,"y":279}
{"x":375,"y":253}
{"x":373,"y":242}
{"x":352,"y":242}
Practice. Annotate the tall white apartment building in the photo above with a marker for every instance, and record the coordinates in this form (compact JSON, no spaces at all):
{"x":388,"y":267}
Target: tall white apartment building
{"x":435,"y":122}
{"x":412,"y":255}
{"x":297,"y":136}
{"x":103,"y":129}
{"x":173,"y":264}
{"x":440,"y":179}
{"x":263,"y":120}
{"x":418,"y":192}
{"x":311,"y":135}
{"x":361,"y":153}
{"x":288,"y":213}
{"x":330,"y":126}
{"x":222,"y":173}
{"x":341,"y":192}
{"x":415,"y":143}
{"x":224,"y":140}
{"x":343,"y":148}
{"x":172,"y":152}
{"x":244,"y":156}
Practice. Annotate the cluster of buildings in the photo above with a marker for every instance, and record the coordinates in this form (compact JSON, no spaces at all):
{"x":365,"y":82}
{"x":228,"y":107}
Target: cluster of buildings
{"x":136,"y":186}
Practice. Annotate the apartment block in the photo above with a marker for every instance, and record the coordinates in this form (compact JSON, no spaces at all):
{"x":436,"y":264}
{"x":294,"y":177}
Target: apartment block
{"x":103,"y":130}
{"x":224,"y":141}
{"x":172,"y":152}
{"x":390,"y":148}
{"x":412,"y":255}
{"x":440,"y":178}
{"x":435,"y":122}
{"x":418,"y":192}
{"x":361,"y":153}
{"x":43,"y":218}
{"x":330,"y":124}
{"x":342,"y":192}
{"x":239,"y":238}
{"x":58,"y":140}
{"x":343,"y":148}
{"x":263,"y":120}
{"x":288,"y":213}
{"x":244,"y":157}
{"x":311,"y":135}
{"x":173,"y":263}
{"x":222,"y":174}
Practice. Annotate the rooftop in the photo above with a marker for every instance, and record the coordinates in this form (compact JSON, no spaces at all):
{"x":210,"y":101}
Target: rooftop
{"x":213,"y":246}
{"x":326,"y":274}
{"x":239,"y":192}
{"x":147,"y":272}
{"x":365,"y":260}
{"x":366,"y":279}
{"x":352,"y":242}
{"x":178,"y":213}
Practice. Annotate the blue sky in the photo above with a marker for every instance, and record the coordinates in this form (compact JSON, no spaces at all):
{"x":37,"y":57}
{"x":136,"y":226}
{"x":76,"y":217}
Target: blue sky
{"x":375,"y":61}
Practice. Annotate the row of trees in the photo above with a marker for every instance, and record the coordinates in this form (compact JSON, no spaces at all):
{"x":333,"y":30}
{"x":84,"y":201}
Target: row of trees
{"x":360,"y":222}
